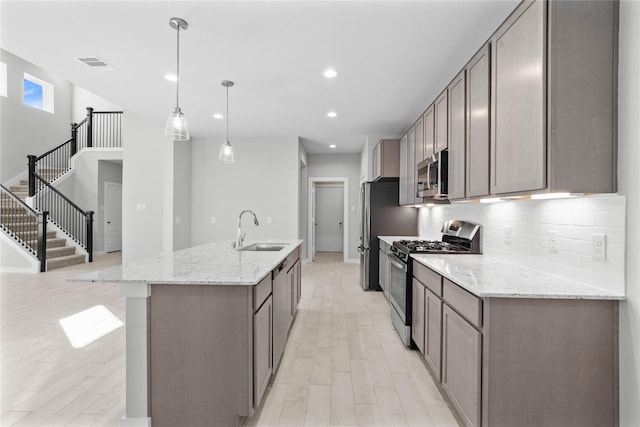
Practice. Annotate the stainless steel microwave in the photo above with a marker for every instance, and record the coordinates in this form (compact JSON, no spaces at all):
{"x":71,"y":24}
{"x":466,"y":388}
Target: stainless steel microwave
{"x":433,"y":173}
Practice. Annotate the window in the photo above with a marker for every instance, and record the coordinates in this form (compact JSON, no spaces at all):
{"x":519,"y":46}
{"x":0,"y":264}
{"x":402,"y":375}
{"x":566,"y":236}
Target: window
{"x":3,"y":79}
{"x":38,"y":93}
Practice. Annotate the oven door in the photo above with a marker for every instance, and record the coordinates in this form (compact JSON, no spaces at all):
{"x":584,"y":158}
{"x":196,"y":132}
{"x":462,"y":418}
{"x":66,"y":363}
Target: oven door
{"x":398,"y":286}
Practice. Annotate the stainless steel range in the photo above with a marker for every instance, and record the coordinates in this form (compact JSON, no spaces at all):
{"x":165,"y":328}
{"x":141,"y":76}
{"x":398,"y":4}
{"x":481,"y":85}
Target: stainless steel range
{"x":458,"y":237}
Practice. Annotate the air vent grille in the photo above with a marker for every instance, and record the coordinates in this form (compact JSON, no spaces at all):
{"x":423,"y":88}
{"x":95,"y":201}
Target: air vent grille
{"x":95,"y":63}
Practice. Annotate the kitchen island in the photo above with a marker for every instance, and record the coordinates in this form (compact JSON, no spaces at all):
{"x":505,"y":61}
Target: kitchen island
{"x":511,"y":345}
{"x":205,"y":329}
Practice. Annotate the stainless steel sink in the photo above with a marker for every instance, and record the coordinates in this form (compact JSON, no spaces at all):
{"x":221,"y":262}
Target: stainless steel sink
{"x":264,"y":247}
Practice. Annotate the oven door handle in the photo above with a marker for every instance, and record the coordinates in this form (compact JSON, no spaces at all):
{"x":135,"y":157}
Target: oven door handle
{"x":398,"y":265}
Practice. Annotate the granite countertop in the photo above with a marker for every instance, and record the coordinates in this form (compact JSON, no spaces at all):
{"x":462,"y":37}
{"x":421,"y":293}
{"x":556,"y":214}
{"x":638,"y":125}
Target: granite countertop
{"x":390,"y":239}
{"x":214,"y":263}
{"x":490,"y":277}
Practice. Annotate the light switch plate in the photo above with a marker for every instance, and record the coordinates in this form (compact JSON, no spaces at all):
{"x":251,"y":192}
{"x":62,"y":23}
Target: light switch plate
{"x":553,"y":241}
{"x":599,"y":247}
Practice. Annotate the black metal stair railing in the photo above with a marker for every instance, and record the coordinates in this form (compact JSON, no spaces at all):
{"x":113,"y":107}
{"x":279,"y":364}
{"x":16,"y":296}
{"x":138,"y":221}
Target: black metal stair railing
{"x":75,"y":222}
{"x":101,"y":129}
{"x":25,"y":225}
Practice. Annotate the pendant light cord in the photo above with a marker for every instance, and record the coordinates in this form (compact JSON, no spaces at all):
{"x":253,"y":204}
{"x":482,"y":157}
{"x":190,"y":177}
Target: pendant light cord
{"x":178,"y":67}
{"x":227,"y":116}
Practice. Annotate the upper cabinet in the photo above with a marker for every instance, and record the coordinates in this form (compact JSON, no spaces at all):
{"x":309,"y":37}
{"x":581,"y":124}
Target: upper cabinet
{"x":386,"y":159}
{"x":441,"y":122}
{"x":411,"y":166}
{"x":418,"y":157}
{"x":478,"y":97}
{"x":553,"y":121}
{"x":429,"y":132}
{"x":457,"y":131}
{"x":518,"y":126}
{"x":402,"y":194}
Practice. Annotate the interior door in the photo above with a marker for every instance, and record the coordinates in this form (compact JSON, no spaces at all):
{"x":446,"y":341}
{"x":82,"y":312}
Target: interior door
{"x":329,"y":218}
{"x":312,"y":223}
{"x":112,"y":217}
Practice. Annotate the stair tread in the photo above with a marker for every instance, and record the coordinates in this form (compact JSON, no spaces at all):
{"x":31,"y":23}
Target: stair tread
{"x":65,"y":261}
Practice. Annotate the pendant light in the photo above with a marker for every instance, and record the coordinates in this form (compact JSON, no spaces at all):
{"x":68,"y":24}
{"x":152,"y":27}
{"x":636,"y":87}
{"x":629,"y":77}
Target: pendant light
{"x":177,"y":123}
{"x":226,"y":152}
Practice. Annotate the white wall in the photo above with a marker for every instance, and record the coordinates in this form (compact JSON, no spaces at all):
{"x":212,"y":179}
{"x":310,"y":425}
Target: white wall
{"x":531,"y":220}
{"x":181,"y":195}
{"x":302,"y":198}
{"x":14,"y":259}
{"x":82,"y":99}
{"x":264,"y":178}
{"x":26,"y":130}
{"x":341,"y":165}
{"x":143,"y":183}
{"x":629,"y":184}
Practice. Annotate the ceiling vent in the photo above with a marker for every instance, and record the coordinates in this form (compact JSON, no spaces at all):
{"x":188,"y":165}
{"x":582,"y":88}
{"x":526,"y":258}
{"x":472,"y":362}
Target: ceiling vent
{"x":95,"y":63}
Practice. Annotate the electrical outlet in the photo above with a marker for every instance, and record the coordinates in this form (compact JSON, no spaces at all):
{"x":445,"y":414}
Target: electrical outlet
{"x":553,"y":240}
{"x":141,"y":207}
{"x":213,"y":220}
{"x":507,"y":235}
{"x":268,"y":220}
{"x":599,"y":247}
{"x":178,"y":220}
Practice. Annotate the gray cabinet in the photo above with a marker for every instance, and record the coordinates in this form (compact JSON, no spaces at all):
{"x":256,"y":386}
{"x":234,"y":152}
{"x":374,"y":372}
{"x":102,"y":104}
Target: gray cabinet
{"x":554,"y":98}
{"x":477,"y":149}
{"x":433,"y":332}
{"x":418,"y":157}
{"x":429,"y":131}
{"x":518,"y":102}
{"x":281,"y":312}
{"x":457,"y":135}
{"x":384,"y":268}
{"x":412,"y":188}
{"x":293,"y":278}
{"x":461,"y":365}
{"x":386,"y":159}
{"x":402,"y":193}
{"x":262,"y":349}
{"x":417,"y":314}
{"x":441,"y":127}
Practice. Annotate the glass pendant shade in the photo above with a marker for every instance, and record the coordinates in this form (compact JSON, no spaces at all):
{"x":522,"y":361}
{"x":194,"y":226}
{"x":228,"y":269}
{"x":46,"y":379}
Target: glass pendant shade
{"x":177,"y":126}
{"x":226,"y":153}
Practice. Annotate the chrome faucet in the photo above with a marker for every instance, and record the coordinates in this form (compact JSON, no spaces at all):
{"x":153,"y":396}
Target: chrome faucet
{"x":240,"y":236}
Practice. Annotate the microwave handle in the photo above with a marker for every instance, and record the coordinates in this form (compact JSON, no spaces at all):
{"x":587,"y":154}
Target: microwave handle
{"x":427,"y":182}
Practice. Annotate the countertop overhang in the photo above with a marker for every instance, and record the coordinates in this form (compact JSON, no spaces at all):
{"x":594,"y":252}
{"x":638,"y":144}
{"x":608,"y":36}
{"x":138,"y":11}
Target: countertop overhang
{"x":490,"y":277}
{"x":214,"y":263}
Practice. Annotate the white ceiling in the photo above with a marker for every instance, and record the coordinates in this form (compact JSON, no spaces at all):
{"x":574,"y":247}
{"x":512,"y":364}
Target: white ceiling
{"x":393,"y":57}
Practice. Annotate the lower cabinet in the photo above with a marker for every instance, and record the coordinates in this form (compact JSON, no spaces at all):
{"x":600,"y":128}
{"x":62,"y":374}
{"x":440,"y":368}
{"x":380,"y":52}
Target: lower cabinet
{"x":417,"y":314}
{"x":262,"y":349}
{"x":294,"y":280}
{"x":282,"y":294}
{"x":461,"y":365}
{"x":508,"y":361}
{"x":384,"y":268}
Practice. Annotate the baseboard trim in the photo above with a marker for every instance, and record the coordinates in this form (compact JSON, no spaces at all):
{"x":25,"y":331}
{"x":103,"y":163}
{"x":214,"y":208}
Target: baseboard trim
{"x":135,"y":422}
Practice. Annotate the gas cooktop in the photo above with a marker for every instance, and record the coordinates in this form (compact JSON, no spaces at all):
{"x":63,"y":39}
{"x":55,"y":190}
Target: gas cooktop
{"x":458,"y":237}
{"x":430,"y":246}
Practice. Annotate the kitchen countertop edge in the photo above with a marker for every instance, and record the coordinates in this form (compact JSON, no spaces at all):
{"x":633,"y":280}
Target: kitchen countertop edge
{"x":211,"y":264}
{"x":491,"y":277}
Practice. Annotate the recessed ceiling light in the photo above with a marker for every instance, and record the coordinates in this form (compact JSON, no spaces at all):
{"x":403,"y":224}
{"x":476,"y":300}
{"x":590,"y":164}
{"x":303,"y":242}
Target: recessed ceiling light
{"x":332,"y":114}
{"x":332,"y":146}
{"x":171,"y":77}
{"x":218,"y":116}
{"x":330,"y":73}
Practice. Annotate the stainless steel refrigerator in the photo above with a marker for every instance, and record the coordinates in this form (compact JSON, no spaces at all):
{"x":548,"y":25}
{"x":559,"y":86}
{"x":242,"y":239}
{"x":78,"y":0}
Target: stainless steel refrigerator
{"x":380,"y":215}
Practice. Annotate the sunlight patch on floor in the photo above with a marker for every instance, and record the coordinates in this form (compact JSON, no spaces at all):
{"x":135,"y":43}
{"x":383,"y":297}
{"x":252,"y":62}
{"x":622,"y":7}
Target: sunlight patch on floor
{"x":85,"y":327}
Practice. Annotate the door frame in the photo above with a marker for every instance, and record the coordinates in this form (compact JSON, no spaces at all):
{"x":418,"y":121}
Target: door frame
{"x":104,"y":217}
{"x":311,"y":215}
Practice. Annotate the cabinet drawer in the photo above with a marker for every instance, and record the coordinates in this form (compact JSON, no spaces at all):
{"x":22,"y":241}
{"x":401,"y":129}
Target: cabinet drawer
{"x":466,"y":304}
{"x":261,"y":292}
{"x":430,"y":279}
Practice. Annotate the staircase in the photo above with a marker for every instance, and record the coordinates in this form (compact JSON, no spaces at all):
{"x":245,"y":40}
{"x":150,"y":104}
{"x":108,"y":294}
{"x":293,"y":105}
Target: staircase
{"x":59,"y":254}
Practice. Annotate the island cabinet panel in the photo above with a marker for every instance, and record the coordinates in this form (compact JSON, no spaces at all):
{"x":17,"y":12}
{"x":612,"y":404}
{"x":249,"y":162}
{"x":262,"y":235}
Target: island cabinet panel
{"x":200,"y":354}
{"x":550,"y":363}
{"x":461,"y":365}
{"x":262,"y":349}
{"x":282,"y":315}
{"x":518,"y":103}
{"x":478,"y":123}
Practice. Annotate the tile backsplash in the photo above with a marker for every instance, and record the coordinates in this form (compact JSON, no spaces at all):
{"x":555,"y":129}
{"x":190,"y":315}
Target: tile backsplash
{"x":530,"y":222}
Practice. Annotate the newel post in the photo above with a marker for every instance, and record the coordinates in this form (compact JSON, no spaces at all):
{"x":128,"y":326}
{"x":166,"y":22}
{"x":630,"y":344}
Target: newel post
{"x":32,"y":175}
{"x":74,"y":139}
{"x":89,"y":127}
{"x":89,"y":218}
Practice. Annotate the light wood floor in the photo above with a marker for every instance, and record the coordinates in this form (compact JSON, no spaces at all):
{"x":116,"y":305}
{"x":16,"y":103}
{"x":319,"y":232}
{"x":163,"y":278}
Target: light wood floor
{"x":344,"y":364}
